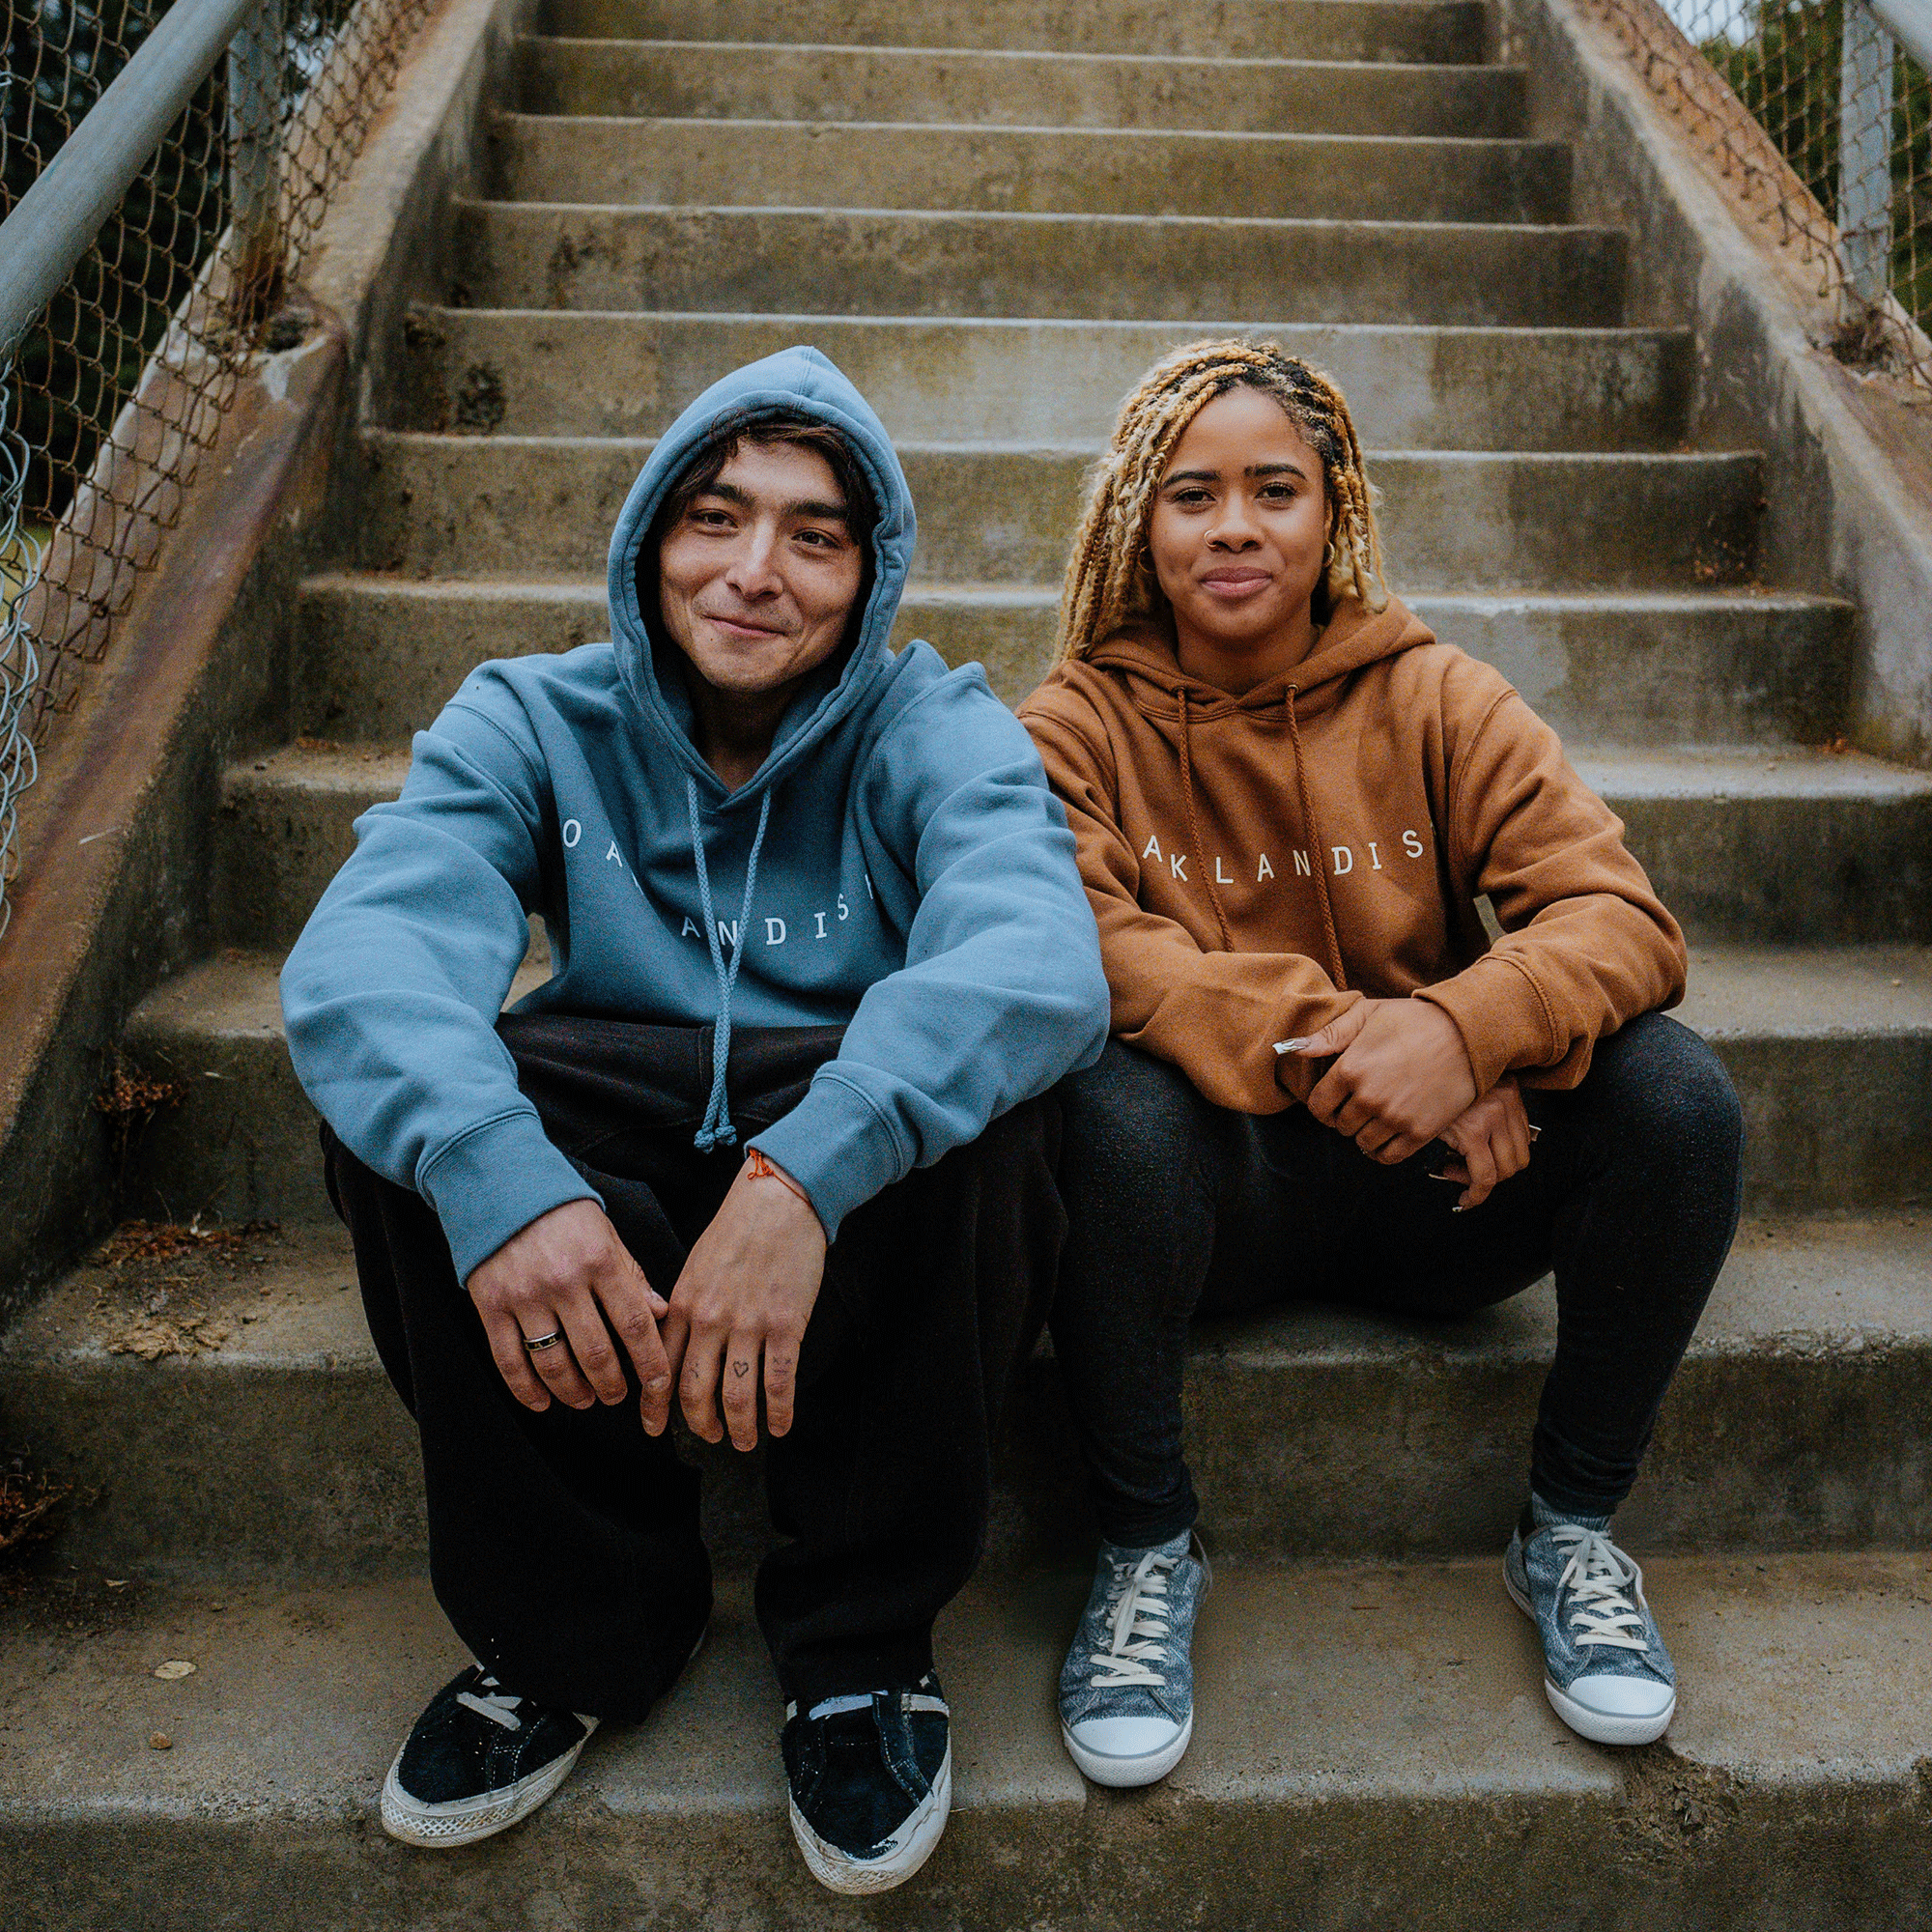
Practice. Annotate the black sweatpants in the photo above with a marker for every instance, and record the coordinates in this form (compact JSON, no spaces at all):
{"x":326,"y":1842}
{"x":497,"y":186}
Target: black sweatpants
{"x":1180,"y":1207}
{"x":564,"y":1546}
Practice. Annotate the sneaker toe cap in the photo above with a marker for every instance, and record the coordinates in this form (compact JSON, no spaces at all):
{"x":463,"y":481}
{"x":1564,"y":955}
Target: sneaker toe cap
{"x":1623,"y":1696}
{"x":1125,"y":1737}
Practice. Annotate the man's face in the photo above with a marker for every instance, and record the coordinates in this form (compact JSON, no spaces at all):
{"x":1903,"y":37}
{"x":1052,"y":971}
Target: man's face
{"x":758,"y":577}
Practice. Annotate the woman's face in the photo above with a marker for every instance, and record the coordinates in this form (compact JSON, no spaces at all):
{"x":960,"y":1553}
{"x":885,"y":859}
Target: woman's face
{"x":1240,"y":526}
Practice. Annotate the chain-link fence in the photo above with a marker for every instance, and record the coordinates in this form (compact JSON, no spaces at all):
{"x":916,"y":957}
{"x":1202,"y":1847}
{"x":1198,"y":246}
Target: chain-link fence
{"x":1819,"y":115}
{"x":115,"y":387}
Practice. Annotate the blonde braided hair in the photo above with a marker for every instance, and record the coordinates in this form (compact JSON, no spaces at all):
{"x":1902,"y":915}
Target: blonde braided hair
{"x":1109,"y":577}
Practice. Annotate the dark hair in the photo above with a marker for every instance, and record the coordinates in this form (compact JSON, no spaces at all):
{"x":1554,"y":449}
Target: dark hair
{"x":767,"y":427}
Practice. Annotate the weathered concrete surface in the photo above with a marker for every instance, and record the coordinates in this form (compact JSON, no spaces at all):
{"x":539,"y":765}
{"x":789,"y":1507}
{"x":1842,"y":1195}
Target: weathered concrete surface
{"x":1027,"y":170}
{"x":895,"y":262}
{"x":1310,"y":1430}
{"x":1406,"y":31}
{"x":714,"y":79}
{"x":1831,"y":1048}
{"x":382,"y":653}
{"x":533,"y":506}
{"x":1740,"y":844}
{"x":1371,"y":1748}
{"x":554,"y":372}
{"x":1846,"y":497}
{"x":112,"y":889}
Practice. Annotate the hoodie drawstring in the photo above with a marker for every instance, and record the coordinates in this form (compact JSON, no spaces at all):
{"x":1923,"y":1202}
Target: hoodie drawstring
{"x":1313,"y":832}
{"x":718,"y":1126}
{"x":1194,"y":821}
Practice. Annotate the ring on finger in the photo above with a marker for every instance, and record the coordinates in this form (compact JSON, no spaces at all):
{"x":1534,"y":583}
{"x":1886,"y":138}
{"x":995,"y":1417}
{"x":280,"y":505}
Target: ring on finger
{"x":537,"y":1344}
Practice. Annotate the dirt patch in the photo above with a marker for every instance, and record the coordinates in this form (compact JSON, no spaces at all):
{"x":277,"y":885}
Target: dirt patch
{"x":1669,"y":1804}
{"x":30,"y":1507}
{"x":158,"y":1281}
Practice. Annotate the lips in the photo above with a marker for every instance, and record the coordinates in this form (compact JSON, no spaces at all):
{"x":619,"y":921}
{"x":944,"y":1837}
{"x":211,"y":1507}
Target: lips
{"x":1230,"y":582}
{"x":741,"y":627}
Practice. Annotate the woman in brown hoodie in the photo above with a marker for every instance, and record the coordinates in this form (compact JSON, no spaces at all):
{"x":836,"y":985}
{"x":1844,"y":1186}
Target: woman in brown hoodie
{"x":1326,"y":1077}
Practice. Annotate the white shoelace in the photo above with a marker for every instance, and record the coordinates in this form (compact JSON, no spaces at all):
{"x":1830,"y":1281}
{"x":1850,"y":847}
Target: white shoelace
{"x":1599,"y":1577}
{"x":1137,"y":1625}
{"x":497,"y":1704}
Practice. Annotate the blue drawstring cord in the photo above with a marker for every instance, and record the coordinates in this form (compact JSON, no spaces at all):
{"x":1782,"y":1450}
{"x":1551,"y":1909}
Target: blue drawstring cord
{"x":718,"y":1126}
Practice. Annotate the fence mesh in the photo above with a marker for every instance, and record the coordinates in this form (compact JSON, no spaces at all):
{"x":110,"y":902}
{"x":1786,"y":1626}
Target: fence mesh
{"x":1822,"y":125}
{"x":110,"y":400}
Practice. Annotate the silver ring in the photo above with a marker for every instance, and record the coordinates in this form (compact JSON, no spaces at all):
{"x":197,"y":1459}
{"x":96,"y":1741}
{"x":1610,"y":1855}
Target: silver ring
{"x":537,"y":1344}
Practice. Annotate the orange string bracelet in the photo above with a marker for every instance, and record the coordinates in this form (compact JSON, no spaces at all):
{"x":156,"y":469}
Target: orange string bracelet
{"x":762,"y":1170}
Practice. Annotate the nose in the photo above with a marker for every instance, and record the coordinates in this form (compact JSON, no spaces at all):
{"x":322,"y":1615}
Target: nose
{"x":1234,"y":527}
{"x":753,"y":571}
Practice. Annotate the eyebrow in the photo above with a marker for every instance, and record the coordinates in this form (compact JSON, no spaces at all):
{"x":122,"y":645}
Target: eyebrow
{"x":1253,"y":469}
{"x":807,"y":507}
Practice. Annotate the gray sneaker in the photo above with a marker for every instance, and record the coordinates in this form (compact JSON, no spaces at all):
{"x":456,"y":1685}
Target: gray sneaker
{"x":1126,"y":1691}
{"x":1606,"y":1669}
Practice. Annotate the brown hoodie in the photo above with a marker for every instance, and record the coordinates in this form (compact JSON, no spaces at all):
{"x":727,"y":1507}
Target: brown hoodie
{"x":1257,"y":864}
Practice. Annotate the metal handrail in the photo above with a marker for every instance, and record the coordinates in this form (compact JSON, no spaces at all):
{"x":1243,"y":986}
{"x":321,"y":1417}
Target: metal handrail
{"x":55,"y":222}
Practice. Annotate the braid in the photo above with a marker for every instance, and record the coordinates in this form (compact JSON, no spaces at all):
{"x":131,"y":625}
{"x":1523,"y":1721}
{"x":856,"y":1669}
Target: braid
{"x":1109,"y":575}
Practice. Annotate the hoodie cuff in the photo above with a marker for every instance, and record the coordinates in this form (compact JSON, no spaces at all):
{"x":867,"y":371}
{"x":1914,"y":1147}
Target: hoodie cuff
{"x":1500,"y":1016}
{"x":837,"y":1147}
{"x":493,"y":1181}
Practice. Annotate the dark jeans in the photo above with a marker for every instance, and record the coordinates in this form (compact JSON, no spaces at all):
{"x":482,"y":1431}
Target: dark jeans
{"x":1180,"y":1207}
{"x":564,"y":1546}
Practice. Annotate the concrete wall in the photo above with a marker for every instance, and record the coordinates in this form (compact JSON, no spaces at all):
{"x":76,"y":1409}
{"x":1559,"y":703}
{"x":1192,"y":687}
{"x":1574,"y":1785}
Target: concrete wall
{"x":116,"y":837}
{"x":1849,"y":468}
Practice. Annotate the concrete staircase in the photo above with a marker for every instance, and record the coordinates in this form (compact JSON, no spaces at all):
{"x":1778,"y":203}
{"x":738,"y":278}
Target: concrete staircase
{"x":993,"y":213}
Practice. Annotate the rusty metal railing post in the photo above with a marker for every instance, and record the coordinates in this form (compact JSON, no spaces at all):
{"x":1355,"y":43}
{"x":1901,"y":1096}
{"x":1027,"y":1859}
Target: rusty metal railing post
{"x":257,"y":62}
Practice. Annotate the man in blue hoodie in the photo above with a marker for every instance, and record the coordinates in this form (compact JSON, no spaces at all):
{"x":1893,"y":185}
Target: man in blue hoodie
{"x":793,"y":887}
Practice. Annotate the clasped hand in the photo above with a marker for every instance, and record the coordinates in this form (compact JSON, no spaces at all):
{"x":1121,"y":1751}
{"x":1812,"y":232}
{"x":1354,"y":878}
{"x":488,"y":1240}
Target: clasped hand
{"x":732,"y":1327}
{"x":1402,"y":1078}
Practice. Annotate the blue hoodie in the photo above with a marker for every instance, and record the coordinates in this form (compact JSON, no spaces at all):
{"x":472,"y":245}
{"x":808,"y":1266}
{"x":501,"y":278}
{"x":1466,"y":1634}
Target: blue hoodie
{"x":896,"y":863}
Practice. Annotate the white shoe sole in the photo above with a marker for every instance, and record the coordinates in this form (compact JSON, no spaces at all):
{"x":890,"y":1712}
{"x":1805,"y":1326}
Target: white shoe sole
{"x":1598,"y":1726}
{"x":1129,"y":1773}
{"x":439,"y":1827}
{"x":912,"y":1844}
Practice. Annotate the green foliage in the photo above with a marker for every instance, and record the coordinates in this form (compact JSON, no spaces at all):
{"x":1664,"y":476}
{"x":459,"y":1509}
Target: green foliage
{"x":1787,"y":74}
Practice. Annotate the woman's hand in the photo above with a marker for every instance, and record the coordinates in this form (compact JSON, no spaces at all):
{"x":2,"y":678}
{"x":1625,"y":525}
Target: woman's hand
{"x":1401,"y":1075}
{"x":568,"y":1273}
{"x":742,"y":1303}
{"x":1492,"y":1137}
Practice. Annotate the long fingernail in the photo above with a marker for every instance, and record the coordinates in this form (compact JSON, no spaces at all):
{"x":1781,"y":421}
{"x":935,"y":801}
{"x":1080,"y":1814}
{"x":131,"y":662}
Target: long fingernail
{"x":1449,"y":1178}
{"x":1290,"y":1045}
{"x":1461,"y":1207}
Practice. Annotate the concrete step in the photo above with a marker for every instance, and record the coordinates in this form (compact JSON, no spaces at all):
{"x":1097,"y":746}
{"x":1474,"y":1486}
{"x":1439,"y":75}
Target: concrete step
{"x":1327,"y":30}
{"x":271,"y":1443}
{"x":380,"y":654}
{"x":1026,"y":170}
{"x":530,"y":506}
{"x":543,"y":372}
{"x":1366,"y":1738}
{"x":769,"y":81}
{"x":1789,"y":847}
{"x":899,"y":263}
{"x":1831,"y":1047}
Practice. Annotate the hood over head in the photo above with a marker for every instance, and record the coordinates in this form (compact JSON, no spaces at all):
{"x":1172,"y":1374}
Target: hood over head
{"x":799,"y":379}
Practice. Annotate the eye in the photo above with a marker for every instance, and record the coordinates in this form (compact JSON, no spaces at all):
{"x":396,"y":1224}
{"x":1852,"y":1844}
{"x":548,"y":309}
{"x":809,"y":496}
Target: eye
{"x":1190,"y":497}
{"x":825,"y":540}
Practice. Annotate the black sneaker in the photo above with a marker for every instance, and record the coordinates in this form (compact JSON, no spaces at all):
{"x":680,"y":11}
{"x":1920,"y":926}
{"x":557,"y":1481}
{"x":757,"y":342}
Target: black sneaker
{"x":872,"y":1783}
{"x":478,"y":1759}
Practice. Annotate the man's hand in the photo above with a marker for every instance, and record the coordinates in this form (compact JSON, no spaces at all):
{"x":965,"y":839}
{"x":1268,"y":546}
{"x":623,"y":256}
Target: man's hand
{"x":568,"y":1272}
{"x":741,"y":1305}
{"x":1492,"y":1137}
{"x":1401,"y":1075}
